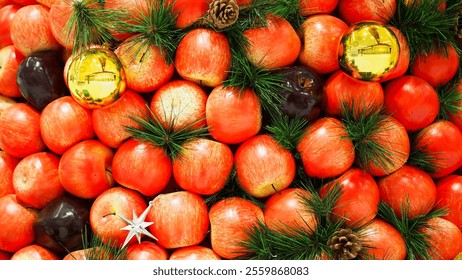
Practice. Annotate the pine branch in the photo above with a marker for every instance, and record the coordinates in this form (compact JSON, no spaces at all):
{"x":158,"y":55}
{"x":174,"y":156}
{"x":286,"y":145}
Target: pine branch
{"x":450,"y":99}
{"x":154,"y":26}
{"x":90,"y":23}
{"x":165,"y":137}
{"x":287,"y":131}
{"x":265,"y":83}
{"x":425,"y":28}
{"x":421,"y":157}
{"x":364,"y":126}
{"x":288,"y":9}
{"x":296,"y":243}
{"x":95,"y":249}
{"x":417,"y":244}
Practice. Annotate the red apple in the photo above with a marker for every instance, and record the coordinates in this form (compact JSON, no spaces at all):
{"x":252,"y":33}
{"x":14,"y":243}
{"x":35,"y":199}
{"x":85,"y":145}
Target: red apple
{"x":25,"y":2}
{"x":34,"y":252}
{"x":146,"y":70}
{"x":31,"y":31}
{"x":106,"y":210}
{"x":382,"y":241}
{"x":437,"y":68}
{"x":409,"y":187}
{"x":64,"y":123}
{"x":353,"y":11}
{"x":321,"y":38}
{"x":325,"y":149}
{"x":194,"y":253}
{"x":444,"y":238}
{"x":60,"y":12}
{"x":204,"y":167}
{"x":20,"y":130}
{"x":10,"y":59}
{"x":146,"y":250}
{"x":412,"y":101}
{"x":5,"y":102}
{"x":311,"y":7}
{"x":7,"y":13}
{"x":47,"y":3}
{"x":342,"y":90}
{"x":180,"y":219}
{"x":188,"y":11}
{"x":359,"y":198}
{"x":110,"y":122}
{"x":275,"y":45}
{"x":204,"y":57}
{"x":233,"y":116}
{"x":287,"y":209}
{"x":36,"y":180}
{"x":16,"y":223}
{"x":85,"y":169}
{"x":449,"y":196}
{"x":230,"y":220}
{"x":263,"y":167}
{"x":178,"y":104}
{"x":5,"y":255}
{"x":7,"y":165}
{"x":142,"y":167}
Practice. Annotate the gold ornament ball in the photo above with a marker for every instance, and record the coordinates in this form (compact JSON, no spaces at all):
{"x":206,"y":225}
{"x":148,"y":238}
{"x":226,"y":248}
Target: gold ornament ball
{"x":96,"y":78}
{"x":368,"y":51}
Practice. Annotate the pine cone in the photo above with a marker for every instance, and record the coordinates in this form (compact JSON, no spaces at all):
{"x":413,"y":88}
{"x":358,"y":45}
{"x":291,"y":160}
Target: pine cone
{"x":344,"y":244}
{"x":222,"y":13}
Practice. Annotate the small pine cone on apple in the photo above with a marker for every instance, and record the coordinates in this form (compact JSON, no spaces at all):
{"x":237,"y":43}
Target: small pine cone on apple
{"x":222,"y":13}
{"x":344,"y":244}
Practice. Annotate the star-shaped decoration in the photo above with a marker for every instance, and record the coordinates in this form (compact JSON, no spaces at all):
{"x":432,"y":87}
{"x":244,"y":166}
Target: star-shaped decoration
{"x":137,"y":226}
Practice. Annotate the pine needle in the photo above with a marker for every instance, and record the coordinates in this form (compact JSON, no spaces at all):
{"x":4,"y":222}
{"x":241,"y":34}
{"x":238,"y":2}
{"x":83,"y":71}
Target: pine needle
{"x":287,"y":131}
{"x":421,"y":157}
{"x":425,"y":28}
{"x":417,"y":242}
{"x":167,"y":138}
{"x":450,"y":100}
{"x":265,"y":83}
{"x":364,"y":127}
{"x":90,"y":23}
{"x":296,"y":243}
{"x":154,"y":26}
{"x":287,"y":9}
{"x":95,"y":249}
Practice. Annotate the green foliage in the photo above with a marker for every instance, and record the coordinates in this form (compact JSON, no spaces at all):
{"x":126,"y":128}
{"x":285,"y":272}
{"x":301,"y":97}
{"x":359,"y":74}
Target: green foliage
{"x":417,"y":243}
{"x":425,"y":28}
{"x":165,"y":136}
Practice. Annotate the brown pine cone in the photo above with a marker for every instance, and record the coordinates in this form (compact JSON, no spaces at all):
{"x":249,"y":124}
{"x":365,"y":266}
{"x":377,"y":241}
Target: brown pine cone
{"x":344,"y":244}
{"x":222,"y":13}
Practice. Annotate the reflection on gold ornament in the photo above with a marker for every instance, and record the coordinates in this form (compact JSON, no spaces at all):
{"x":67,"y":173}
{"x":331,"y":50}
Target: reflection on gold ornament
{"x":96,"y":78}
{"x":368,"y":51}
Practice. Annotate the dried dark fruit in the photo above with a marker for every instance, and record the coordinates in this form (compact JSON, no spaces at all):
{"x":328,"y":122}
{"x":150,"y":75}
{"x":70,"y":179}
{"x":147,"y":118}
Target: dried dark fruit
{"x":40,"y":78}
{"x":59,"y":225}
{"x":303,"y":92}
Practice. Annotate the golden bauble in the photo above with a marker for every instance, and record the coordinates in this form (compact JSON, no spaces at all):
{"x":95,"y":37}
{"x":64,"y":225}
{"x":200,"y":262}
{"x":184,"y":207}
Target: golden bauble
{"x":368,"y":51}
{"x":96,"y":78}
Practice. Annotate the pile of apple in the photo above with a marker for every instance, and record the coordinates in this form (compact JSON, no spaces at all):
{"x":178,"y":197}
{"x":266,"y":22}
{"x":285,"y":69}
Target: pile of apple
{"x":61,"y":159}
